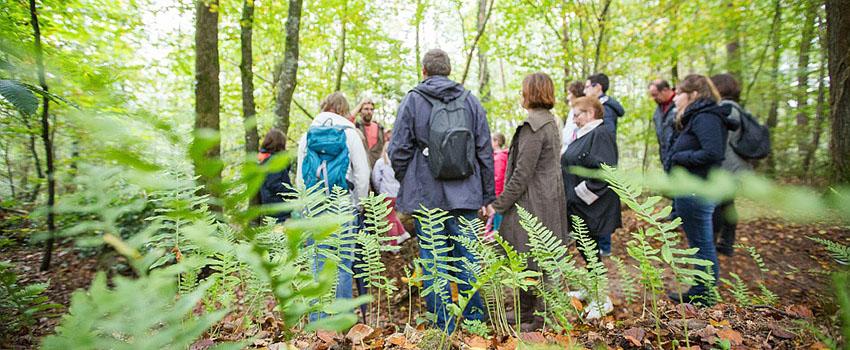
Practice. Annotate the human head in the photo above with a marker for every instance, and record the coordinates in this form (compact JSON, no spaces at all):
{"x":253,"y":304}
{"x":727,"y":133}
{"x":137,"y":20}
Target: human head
{"x":587,"y":109}
{"x":574,"y":90}
{"x":335,"y":103}
{"x":275,"y":141}
{"x":692,"y":88}
{"x":436,"y":62}
{"x":388,"y":134}
{"x":366,"y":108}
{"x":498,"y":140}
{"x":538,"y":91}
{"x":727,"y":86}
{"x":660,"y":91}
{"x":596,"y":85}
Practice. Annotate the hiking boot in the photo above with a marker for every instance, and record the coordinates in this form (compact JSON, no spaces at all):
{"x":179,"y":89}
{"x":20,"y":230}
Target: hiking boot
{"x":725,"y":249}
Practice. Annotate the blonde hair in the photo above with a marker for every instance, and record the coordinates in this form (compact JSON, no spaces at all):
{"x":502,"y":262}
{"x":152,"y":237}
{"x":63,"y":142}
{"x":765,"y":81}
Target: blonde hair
{"x":589,"y":103}
{"x":335,"y":103}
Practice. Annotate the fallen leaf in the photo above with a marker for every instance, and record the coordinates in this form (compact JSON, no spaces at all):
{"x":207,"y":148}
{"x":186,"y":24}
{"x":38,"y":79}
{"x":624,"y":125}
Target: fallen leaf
{"x":731,"y":335}
{"x":359,"y":332}
{"x":397,"y":339}
{"x":635,"y":335}
{"x":819,"y":346}
{"x":475,"y":342}
{"x":509,"y":344}
{"x":576,"y":304}
{"x":799,"y":311}
{"x":327,"y":337}
{"x":780,"y":332}
{"x":532,"y":337}
{"x":687,"y":310}
{"x":724,"y":323}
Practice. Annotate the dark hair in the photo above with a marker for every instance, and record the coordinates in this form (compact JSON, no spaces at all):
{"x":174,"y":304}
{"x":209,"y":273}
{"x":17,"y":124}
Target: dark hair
{"x":660,"y":84}
{"x":727,"y":86}
{"x":538,"y":91}
{"x":601,"y":79}
{"x":500,"y":138}
{"x":589,"y":103}
{"x":576,"y":88}
{"x":275,"y":141}
{"x":702,"y":86}
{"x":436,"y":62}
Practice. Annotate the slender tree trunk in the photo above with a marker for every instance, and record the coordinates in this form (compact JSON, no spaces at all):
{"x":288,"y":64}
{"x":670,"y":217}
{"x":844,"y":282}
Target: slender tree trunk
{"x":837,"y":27}
{"x":340,"y":64}
{"x":483,"y":70}
{"x":289,"y":67}
{"x":565,"y":48}
{"x":773,"y":110}
{"x":38,"y":172}
{"x":249,"y":111}
{"x":475,"y":41}
{"x":602,"y":19}
{"x":418,"y":19}
{"x":9,"y":175}
{"x":207,"y":98}
{"x":46,"y":139}
{"x":733,"y":45}
{"x":802,"y":98}
{"x":820,"y":116}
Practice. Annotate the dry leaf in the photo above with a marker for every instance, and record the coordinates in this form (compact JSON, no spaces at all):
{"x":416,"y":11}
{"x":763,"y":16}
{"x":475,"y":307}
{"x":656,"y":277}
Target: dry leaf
{"x":635,"y":335}
{"x":397,"y":339}
{"x":533,"y":337}
{"x":327,"y":337}
{"x":687,"y":310}
{"x":799,"y":311}
{"x":576,"y":304}
{"x":731,"y":335}
{"x":359,"y":332}
{"x":780,"y":332}
{"x":509,"y":344}
{"x":475,"y":342}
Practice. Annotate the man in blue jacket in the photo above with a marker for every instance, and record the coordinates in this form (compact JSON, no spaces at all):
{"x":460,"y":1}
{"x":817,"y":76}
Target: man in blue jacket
{"x":419,"y":187}
{"x":597,"y":86}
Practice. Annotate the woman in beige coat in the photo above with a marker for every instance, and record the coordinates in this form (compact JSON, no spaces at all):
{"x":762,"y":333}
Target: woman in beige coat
{"x":533,"y":179}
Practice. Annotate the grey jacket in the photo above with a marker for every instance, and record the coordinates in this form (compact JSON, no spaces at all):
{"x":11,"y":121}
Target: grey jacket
{"x":418,"y":186}
{"x":733,"y":162}
{"x":664,"y":128}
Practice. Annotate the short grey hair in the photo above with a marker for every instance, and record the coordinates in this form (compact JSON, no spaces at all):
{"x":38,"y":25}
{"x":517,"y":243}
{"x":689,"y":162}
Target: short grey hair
{"x":436,"y":62}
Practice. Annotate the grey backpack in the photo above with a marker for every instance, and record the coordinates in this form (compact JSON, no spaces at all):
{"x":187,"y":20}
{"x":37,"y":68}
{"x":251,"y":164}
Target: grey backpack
{"x":451,"y":143}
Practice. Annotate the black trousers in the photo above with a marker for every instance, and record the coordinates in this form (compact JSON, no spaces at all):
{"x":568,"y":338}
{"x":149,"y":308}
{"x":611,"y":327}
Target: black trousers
{"x":725,"y":222}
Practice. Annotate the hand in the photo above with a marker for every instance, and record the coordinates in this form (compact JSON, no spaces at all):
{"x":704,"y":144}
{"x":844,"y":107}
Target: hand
{"x":486,"y":211}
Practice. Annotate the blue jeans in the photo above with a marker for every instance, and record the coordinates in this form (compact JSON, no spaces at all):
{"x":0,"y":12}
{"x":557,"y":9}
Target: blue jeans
{"x":475,"y":308}
{"x":603,"y":242}
{"x":344,"y":274}
{"x":696,"y":214}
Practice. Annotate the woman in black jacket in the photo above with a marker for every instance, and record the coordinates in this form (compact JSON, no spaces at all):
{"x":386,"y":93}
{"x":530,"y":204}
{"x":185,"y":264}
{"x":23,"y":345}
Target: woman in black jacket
{"x":698,"y":146}
{"x":274,"y":186}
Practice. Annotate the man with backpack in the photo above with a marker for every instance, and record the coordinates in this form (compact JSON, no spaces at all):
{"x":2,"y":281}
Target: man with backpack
{"x":331,"y":154}
{"x":442,"y":156}
{"x":746,"y":143}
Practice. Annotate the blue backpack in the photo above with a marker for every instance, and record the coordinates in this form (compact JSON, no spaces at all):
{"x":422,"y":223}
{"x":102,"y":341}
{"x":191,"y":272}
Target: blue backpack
{"x":327,"y":159}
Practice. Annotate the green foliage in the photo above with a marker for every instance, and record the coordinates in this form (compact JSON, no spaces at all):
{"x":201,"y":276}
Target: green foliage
{"x":19,"y":95}
{"x":476,"y":327}
{"x":629,"y":283}
{"x":20,"y":305}
{"x":438,"y":268}
{"x":838,"y":251}
{"x":595,"y":281}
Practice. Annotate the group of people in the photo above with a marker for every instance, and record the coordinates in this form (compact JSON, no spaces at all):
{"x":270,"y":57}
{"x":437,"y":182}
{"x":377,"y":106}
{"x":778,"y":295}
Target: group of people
{"x":441,"y":154}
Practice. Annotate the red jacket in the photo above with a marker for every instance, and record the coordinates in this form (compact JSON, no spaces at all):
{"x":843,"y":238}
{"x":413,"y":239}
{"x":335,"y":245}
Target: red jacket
{"x":500,"y":163}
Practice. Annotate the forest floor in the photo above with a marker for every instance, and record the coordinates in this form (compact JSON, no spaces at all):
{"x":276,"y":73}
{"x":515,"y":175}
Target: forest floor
{"x":798,"y":274}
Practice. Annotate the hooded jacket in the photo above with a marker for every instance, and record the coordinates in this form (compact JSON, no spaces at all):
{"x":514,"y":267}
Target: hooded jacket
{"x":418,"y":186}
{"x":613,"y":111}
{"x":665,"y":126}
{"x":700,"y":145}
{"x":358,"y":167}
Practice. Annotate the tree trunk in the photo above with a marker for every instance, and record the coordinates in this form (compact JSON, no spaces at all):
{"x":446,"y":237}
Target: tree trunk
{"x":46,"y":139}
{"x":837,"y":27}
{"x":249,"y":111}
{"x":773,"y":110}
{"x":289,"y":67}
{"x":802,"y":98}
{"x":602,"y":19}
{"x":483,"y":70}
{"x":340,"y":65}
{"x":207,"y":98}
{"x":418,"y":20}
{"x":9,"y":174}
{"x":38,"y":172}
{"x":733,"y":46}
{"x":820,"y":116}
{"x":478,"y":35}
{"x":565,"y":48}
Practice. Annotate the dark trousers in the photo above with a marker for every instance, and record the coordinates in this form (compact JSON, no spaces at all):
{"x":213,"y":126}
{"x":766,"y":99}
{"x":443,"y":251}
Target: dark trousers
{"x":696,"y":214}
{"x":725,"y":221}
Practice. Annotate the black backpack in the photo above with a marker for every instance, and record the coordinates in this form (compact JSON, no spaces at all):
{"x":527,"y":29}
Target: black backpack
{"x":753,"y":142}
{"x":451,"y":143}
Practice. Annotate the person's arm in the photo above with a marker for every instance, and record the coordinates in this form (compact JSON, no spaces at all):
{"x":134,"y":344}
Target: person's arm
{"x":359,"y":164}
{"x":610,"y":119}
{"x":302,"y":152}
{"x":709,"y":131}
{"x":403,"y":142}
{"x":529,"y":147}
{"x":603,"y":151}
{"x":484,"y":153}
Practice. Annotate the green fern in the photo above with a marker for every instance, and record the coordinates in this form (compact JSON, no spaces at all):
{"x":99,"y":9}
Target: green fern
{"x":437,"y":270}
{"x":20,"y":305}
{"x":629,"y":283}
{"x":838,"y":251}
{"x":754,"y":254}
{"x":739,"y":290}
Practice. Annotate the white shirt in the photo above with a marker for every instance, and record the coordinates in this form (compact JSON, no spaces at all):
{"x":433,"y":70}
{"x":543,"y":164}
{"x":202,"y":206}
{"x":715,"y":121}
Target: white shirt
{"x":568,"y":132}
{"x":383,"y":178}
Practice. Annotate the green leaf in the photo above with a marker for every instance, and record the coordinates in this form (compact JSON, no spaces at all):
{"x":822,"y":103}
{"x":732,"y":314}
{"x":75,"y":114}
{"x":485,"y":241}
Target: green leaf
{"x":19,"y":96}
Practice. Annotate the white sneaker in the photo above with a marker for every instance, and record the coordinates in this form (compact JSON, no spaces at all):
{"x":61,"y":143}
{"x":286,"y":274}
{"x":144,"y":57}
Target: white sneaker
{"x":403,"y":237}
{"x":596,"y":311}
{"x":578,"y":294}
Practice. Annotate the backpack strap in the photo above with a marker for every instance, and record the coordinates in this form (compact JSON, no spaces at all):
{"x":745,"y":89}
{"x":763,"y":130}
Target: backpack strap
{"x":433,"y":101}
